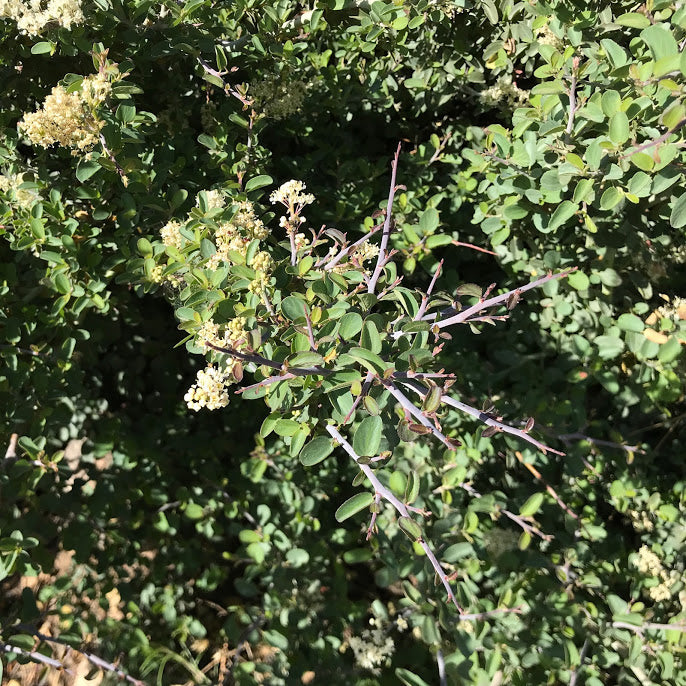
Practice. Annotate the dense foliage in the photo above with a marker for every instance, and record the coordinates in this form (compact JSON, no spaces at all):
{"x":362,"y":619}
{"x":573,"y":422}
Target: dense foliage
{"x":225,"y":427}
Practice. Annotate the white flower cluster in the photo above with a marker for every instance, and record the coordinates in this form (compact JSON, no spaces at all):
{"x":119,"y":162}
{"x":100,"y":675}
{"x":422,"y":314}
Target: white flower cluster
{"x":544,"y":36}
{"x":69,"y":119}
{"x":21,"y":197}
{"x":209,"y":389}
{"x":372,"y":649}
{"x":648,"y":563}
{"x":504,"y":94}
{"x":213,"y":199}
{"x":233,"y":336}
{"x":292,"y":196}
{"x":171,"y":235}
{"x":33,"y":16}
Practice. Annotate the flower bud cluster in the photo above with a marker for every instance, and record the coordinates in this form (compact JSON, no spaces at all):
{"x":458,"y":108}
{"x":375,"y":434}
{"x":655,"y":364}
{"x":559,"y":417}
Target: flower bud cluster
{"x":69,"y":119}
{"x":278,"y":99}
{"x":34,"y":16}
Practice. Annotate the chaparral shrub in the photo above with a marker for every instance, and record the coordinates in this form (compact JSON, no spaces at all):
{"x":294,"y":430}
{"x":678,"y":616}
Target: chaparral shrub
{"x":342,"y":341}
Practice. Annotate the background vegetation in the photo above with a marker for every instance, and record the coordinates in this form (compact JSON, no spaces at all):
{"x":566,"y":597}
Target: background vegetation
{"x":185,"y":547}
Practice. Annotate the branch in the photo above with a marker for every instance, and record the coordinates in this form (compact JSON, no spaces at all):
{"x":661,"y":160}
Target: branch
{"x":460,"y":244}
{"x":649,"y":626}
{"x":530,"y":529}
{"x":400,"y":507}
{"x":482,"y":417}
{"x":329,"y":263}
{"x":381,"y":259}
{"x":427,"y":295}
{"x":417,"y":413}
{"x":259,"y":360}
{"x":497,"y":300}
{"x":365,"y":389}
{"x":657,"y":141}
{"x":94,"y":659}
{"x":572,"y":97}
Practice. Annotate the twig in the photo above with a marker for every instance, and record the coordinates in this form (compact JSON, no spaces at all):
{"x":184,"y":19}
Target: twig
{"x":400,"y":507}
{"x":427,"y":295}
{"x":259,"y":360}
{"x":441,"y":147}
{"x":460,"y":244}
{"x":482,"y":416}
{"x":650,"y":626}
{"x":266,"y":382}
{"x":548,"y":487}
{"x":657,"y":141}
{"x":94,"y":659}
{"x":310,"y":333}
{"x":582,"y":656}
{"x":529,"y":528}
{"x":113,"y":159}
{"x":381,"y":258}
{"x":578,"y":436}
{"x":572,"y":97}
{"x":329,"y":263}
{"x":442,"y":679}
{"x":497,"y":300}
{"x":365,"y":389}
{"x":372,"y":528}
{"x":417,"y":413}
{"x":12,"y":447}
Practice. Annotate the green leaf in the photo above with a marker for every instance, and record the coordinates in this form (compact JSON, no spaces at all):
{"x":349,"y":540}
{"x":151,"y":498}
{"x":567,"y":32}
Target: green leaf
{"x":669,"y":351}
{"x":42,"y":48}
{"x":306,"y":359}
{"x":193,"y":511}
{"x":660,"y":41}
{"x":609,"y":346}
{"x":258,"y":182}
{"x":633,"y":20}
{"x":294,"y":307}
{"x":409,"y":678}
{"x":367,"y":359}
{"x":350,"y":325}
{"x":610,"y":198}
{"x":428,"y":222}
{"x":317,"y":450}
{"x":86,"y":169}
{"x":63,"y":283}
{"x":410,"y":528}
{"x":619,"y":128}
{"x":367,"y":438}
{"x":412,"y":487}
{"x":532,"y":505}
{"x":678,"y":216}
{"x":578,"y":280}
{"x":370,"y":337}
{"x":630,"y":322}
{"x":286,"y":427}
{"x":565,"y":211}
{"x":353,"y":505}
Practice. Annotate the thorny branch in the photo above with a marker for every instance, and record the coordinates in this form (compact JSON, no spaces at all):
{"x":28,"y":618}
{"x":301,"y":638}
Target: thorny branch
{"x":51,"y":662}
{"x":400,"y":507}
{"x":382,"y":257}
{"x":482,"y":305}
{"x":482,"y":417}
